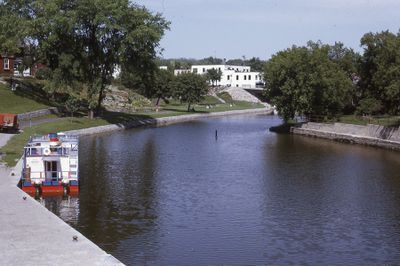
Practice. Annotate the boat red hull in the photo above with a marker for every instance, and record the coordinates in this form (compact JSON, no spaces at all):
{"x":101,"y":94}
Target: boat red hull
{"x":29,"y":190}
{"x":52,"y":190}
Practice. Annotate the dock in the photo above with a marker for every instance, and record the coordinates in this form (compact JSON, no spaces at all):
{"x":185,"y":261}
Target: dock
{"x":32,"y":235}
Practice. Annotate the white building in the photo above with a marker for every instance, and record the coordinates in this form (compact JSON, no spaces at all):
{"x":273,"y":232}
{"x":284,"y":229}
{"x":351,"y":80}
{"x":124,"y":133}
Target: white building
{"x":232,"y":76}
{"x":181,"y":71}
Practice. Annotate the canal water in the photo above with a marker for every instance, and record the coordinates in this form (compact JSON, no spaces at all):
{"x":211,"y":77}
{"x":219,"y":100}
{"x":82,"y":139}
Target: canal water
{"x":176,"y":195}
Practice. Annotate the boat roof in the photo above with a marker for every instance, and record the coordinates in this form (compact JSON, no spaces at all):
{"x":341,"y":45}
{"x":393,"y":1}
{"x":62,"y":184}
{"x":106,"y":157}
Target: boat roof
{"x":54,"y":137}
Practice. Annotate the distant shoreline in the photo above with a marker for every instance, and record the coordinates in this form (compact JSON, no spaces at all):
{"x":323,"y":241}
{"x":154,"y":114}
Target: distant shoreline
{"x":164,"y":121}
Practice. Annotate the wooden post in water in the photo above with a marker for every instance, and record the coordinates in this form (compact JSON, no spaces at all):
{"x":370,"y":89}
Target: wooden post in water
{"x":216,"y":134}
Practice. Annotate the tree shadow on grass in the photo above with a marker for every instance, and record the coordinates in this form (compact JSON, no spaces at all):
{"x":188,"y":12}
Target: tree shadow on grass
{"x":32,"y":90}
{"x":132,"y":120}
{"x":124,"y":118}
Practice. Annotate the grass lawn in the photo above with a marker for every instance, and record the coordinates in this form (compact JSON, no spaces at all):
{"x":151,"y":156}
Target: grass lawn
{"x":377,"y":120}
{"x":18,"y":102}
{"x":208,"y":105}
{"x":225,"y":96}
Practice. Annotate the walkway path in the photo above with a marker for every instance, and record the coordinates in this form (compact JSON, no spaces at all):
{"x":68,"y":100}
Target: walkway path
{"x":32,"y":235}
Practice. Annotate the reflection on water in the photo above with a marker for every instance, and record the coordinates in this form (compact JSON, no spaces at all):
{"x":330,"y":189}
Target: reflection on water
{"x":67,"y":208}
{"x":177,"y":196}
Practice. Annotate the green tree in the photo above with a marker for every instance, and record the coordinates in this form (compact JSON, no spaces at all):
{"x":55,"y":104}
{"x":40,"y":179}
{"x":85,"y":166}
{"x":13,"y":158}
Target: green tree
{"x":369,"y":106}
{"x":72,"y":105}
{"x":305,"y":81}
{"x":210,"y":61}
{"x":380,"y":70}
{"x":84,"y":41}
{"x":190,"y":88}
{"x":255,"y":64}
{"x":214,"y":75}
{"x":236,"y":62}
{"x":162,"y":85}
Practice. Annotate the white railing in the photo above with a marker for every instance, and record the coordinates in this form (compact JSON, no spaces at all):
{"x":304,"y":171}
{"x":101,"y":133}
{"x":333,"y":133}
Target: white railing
{"x":46,"y":151}
{"x":39,"y":176}
{"x":69,"y":138}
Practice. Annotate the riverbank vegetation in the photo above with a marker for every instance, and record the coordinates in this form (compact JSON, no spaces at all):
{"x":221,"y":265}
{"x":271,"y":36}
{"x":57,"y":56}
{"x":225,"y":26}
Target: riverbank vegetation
{"x":336,"y":83}
{"x":82,"y":44}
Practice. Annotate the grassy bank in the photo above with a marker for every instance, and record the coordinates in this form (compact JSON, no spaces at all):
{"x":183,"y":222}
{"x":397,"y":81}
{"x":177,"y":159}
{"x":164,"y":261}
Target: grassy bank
{"x":376,"y":120}
{"x":18,"y":102}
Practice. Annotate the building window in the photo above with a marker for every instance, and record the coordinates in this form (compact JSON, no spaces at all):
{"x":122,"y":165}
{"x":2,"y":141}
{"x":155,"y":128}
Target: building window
{"x":228,"y":77}
{"x":195,"y":70}
{"x":245,"y":77}
{"x":6,"y":64}
{"x":249,"y":77}
{"x":204,"y":70}
{"x":237,"y":77}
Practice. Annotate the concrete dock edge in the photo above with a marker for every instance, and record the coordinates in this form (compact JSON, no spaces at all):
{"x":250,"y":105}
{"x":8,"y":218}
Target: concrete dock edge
{"x":370,"y":135}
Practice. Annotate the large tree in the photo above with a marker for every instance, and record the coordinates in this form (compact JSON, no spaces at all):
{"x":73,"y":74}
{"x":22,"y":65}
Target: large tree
{"x":190,"y":88}
{"x":84,"y":41}
{"x":305,"y":81}
{"x":162,"y":85}
{"x":214,"y":75}
{"x":380,"y":71}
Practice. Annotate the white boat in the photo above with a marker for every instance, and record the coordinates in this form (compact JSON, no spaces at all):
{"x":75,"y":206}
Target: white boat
{"x":50,"y":164}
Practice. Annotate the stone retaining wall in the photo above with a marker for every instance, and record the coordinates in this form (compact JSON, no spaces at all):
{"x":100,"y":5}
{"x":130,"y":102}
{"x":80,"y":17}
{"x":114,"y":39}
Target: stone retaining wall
{"x":373,"y":135}
{"x":37,"y":113}
{"x":239,"y":94}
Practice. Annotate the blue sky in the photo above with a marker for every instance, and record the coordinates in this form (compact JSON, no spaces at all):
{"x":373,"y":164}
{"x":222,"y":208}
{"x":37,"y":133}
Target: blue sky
{"x":233,"y":29}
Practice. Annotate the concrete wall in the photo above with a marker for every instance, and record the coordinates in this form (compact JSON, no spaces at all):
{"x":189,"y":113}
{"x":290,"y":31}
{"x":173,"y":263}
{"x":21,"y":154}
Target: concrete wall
{"x":374,"y":135}
{"x":38,"y":113}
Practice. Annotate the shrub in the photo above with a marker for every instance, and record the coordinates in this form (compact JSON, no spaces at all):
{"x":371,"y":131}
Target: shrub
{"x":43,"y":73}
{"x":369,"y":106}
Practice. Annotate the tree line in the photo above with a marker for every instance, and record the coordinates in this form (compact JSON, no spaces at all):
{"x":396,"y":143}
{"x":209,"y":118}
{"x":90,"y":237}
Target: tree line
{"x":331,"y":80}
{"x":86,"y":45}
{"x":83,"y":43}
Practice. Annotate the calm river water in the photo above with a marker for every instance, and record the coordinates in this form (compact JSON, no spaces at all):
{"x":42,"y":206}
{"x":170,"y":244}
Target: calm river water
{"x":177,"y":196}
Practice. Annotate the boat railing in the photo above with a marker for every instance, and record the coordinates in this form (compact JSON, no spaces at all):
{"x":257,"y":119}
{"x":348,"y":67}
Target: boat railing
{"x":69,"y":138}
{"x":46,"y":151}
{"x":47,"y":176}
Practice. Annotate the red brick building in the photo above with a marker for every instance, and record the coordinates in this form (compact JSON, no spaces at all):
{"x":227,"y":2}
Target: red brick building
{"x":6,"y":64}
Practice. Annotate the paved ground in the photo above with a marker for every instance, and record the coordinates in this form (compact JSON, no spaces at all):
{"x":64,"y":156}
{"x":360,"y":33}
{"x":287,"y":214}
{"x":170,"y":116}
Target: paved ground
{"x":32,"y":235}
{"x":4,"y":138}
